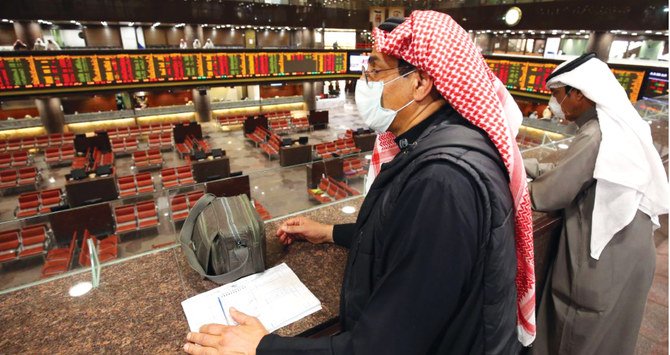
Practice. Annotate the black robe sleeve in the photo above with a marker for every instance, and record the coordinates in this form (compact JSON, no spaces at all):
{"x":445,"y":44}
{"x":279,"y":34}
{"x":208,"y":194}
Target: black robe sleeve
{"x":432,"y":249}
{"x":343,"y":234}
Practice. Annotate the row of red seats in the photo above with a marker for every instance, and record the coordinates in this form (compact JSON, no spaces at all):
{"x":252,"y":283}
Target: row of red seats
{"x":160,"y":140}
{"x":99,"y":159}
{"x":271,"y":147}
{"x":123,"y":145}
{"x":156,"y":128}
{"x":232,"y":120}
{"x":340,"y":147}
{"x":16,"y":159}
{"x":59,"y":155}
{"x":265,"y":215}
{"x":331,"y":190}
{"x":22,"y":243}
{"x":279,"y":126}
{"x":300,"y":124}
{"x":58,"y":259}
{"x":50,"y":140}
{"x":278,"y":114}
{"x":181,"y":204}
{"x":288,"y":125}
{"x":13,"y":178}
{"x":33,"y":203}
{"x":123,"y":132}
{"x":140,"y":216}
{"x":107,"y":248}
{"x":179,"y":176}
{"x":190,"y":145}
{"x":259,"y":135}
{"x":354,"y":167}
{"x":132,"y":185}
{"x":147,"y":159}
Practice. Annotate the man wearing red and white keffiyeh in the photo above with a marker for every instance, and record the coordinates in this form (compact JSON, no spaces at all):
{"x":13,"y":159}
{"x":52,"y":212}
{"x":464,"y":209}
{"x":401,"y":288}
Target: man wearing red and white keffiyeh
{"x":441,"y":255}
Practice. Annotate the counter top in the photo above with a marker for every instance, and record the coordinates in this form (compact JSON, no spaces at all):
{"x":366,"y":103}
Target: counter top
{"x":137,"y":307}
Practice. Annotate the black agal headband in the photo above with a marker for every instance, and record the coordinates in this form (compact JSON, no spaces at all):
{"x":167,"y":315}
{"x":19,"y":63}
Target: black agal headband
{"x":571,"y":66}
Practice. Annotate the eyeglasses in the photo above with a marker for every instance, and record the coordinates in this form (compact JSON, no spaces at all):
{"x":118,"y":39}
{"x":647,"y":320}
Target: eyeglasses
{"x":366,"y":73}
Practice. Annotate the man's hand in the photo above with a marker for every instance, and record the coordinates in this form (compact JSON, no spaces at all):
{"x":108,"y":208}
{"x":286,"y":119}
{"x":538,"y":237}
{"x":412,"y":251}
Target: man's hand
{"x":227,"y":339}
{"x":301,"y":228}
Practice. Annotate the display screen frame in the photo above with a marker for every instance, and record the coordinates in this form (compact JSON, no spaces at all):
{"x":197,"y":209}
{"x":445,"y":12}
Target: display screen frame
{"x":46,"y":72}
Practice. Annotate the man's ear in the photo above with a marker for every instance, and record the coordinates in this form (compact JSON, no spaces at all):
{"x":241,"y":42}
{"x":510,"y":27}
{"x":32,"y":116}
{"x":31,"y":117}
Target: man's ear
{"x":423,"y":85}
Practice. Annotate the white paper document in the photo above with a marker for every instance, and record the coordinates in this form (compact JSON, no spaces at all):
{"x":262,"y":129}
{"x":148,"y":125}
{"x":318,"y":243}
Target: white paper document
{"x":276,"y":297}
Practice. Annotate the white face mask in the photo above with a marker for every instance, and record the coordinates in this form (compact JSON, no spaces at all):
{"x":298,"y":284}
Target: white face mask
{"x":556,"y":108}
{"x":369,"y":104}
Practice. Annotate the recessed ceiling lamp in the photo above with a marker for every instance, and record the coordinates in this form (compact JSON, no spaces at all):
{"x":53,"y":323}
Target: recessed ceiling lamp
{"x":513,"y":16}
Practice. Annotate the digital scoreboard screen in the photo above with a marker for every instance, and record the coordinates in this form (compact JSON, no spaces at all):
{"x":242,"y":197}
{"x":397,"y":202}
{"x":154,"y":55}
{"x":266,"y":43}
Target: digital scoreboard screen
{"x":37,"y":72}
{"x":656,"y":84}
{"x":631,"y":81}
{"x":531,"y":77}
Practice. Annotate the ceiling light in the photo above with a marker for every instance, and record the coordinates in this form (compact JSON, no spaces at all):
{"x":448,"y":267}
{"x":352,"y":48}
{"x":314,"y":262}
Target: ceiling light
{"x":647,"y":31}
{"x":156,"y":24}
{"x":624,"y":32}
{"x":634,"y":34}
{"x":104,"y":23}
{"x":658,"y":33}
{"x":131,"y":24}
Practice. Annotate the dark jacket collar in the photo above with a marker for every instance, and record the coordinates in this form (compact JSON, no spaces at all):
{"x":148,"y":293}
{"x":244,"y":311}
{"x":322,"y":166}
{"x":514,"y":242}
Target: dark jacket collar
{"x":586,"y":117}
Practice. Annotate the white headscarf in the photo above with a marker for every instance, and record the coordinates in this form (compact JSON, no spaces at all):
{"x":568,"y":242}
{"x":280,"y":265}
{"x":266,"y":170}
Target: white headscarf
{"x":628,"y":168}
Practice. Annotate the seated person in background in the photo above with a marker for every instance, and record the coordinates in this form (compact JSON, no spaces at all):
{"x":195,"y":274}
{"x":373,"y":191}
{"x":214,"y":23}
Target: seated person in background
{"x":610,"y":185}
{"x":432,"y":264}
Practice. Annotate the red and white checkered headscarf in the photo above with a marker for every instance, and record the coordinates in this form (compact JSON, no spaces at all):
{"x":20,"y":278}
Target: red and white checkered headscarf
{"x":434,"y":43}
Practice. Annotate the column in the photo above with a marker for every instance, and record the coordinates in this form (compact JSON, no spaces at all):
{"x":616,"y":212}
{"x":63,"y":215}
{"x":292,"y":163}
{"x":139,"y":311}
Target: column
{"x":203,"y":108}
{"x":600,"y":43}
{"x":309,"y":95}
{"x":253,"y":92}
{"x":51,"y":114}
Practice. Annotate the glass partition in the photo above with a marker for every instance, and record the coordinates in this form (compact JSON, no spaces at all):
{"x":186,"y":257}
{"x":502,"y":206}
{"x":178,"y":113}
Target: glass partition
{"x":41,"y":247}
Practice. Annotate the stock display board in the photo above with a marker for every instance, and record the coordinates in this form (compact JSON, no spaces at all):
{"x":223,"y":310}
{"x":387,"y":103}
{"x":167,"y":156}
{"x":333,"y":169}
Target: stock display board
{"x":656,"y":84}
{"x":62,"y":71}
{"x":531,"y":77}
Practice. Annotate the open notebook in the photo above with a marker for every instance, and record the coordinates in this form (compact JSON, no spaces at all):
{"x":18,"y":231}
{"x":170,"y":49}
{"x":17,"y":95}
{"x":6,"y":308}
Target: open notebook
{"x":276,"y":297}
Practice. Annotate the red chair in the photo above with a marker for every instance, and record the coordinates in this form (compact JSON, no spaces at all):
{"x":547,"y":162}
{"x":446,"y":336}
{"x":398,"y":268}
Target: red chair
{"x":32,"y":240}
{"x":179,"y":207}
{"x":52,"y":155}
{"x":58,"y":260}
{"x":147,"y":215}
{"x":127,"y":186}
{"x":169,"y":178}
{"x":126,"y":220}
{"x":144,"y":182}
{"x":27,"y":176}
{"x":8,"y":178}
{"x":9,"y":245}
{"x":185,"y":175}
{"x":193,"y":197}
{"x":50,"y":198}
{"x":29,"y":204}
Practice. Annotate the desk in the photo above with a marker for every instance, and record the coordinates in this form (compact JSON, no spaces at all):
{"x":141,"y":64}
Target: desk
{"x":137,"y":308}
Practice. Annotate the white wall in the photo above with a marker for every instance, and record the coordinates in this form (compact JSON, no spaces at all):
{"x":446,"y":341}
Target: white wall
{"x":344,"y":39}
{"x":128,"y":38}
{"x":71,"y":38}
